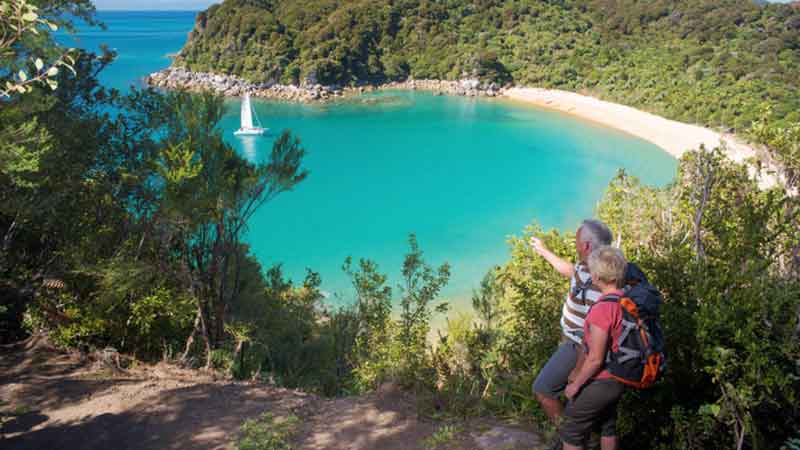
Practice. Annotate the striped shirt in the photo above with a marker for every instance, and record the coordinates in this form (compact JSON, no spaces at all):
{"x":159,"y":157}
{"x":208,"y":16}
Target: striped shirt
{"x":581,"y":296}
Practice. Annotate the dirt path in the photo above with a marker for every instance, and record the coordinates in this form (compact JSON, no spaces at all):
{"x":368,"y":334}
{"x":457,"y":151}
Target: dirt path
{"x":56,"y":400}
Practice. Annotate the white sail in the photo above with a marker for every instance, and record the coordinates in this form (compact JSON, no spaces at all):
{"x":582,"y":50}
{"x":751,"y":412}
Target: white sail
{"x":247,"y":113}
{"x":247,"y":128}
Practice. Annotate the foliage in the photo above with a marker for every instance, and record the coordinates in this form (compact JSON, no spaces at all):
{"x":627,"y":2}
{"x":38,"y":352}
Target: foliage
{"x":421,"y":286}
{"x":267,"y":433}
{"x":371,"y":357}
{"x":126,"y":230}
{"x":785,"y":140}
{"x":724,"y":254}
{"x":135,"y":218}
{"x":292,"y":342}
{"x":30,"y":58}
{"x":721,"y":251}
{"x":389,"y":348}
{"x":162,"y":317}
{"x":20,"y":24}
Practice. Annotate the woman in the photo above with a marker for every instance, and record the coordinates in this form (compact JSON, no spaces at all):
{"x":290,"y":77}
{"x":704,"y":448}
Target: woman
{"x":593,"y":393}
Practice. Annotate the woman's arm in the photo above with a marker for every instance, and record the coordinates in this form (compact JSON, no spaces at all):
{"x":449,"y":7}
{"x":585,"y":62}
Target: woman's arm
{"x":561,"y":265}
{"x":598,"y":346}
{"x":578,"y":364}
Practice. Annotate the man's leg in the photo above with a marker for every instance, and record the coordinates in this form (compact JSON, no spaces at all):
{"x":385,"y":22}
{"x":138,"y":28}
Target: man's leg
{"x":552,"y":380}
{"x":551,"y":406}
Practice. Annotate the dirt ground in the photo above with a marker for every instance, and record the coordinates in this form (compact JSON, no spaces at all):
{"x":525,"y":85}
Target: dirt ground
{"x":50,"y":399}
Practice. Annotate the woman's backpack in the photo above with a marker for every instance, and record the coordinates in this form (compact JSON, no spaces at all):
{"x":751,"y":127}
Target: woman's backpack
{"x":639,"y":361}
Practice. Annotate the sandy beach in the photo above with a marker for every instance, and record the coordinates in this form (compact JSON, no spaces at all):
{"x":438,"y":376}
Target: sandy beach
{"x":674,"y":137}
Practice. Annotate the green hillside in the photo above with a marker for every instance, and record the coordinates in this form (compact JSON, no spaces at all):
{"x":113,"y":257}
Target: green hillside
{"x":709,"y":62}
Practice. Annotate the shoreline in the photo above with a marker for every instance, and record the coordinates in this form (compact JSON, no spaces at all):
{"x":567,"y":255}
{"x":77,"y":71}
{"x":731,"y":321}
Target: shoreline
{"x":675,"y":138}
{"x":309,"y":91}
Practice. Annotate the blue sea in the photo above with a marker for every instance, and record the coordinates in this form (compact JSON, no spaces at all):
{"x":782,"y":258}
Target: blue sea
{"x":463,"y":174}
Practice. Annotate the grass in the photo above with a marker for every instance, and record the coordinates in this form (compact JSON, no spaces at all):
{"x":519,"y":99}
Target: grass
{"x":267,"y":433}
{"x":440,"y":439}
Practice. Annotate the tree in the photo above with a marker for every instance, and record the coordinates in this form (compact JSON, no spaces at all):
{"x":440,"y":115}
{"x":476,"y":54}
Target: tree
{"x":20,"y":25}
{"x":418,"y":293}
{"x":210,"y":195}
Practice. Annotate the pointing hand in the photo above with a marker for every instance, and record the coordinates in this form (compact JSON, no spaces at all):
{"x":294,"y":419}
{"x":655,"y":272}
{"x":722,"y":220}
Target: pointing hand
{"x":537,"y":245}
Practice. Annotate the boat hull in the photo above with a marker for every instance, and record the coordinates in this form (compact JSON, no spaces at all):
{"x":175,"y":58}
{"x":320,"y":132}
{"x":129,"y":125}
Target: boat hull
{"x":250,"y":131}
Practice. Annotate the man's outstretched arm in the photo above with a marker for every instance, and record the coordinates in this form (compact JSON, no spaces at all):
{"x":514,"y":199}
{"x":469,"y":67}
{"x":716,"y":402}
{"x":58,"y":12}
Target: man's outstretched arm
{"x":561,"y":265}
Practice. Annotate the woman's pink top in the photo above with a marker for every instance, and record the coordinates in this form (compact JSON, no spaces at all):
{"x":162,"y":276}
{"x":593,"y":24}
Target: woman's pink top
{"x":607,"y":316}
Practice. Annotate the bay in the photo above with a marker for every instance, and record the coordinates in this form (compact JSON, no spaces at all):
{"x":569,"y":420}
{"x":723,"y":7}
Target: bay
{"x":463,"y":174}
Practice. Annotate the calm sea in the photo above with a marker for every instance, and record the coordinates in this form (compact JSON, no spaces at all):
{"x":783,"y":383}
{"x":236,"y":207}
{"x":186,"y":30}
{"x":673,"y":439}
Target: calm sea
{"x":463,"y":174}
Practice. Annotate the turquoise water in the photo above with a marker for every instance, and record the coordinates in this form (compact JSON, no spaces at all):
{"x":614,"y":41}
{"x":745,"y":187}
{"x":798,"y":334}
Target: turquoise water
{"x":144,"y":41}
{"x":463,"y":174}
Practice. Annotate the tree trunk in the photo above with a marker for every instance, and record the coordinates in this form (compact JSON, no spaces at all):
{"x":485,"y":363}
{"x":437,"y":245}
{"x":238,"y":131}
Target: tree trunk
{"x":219,"y":306}
{"x":206,"y":341}
{"x":704,"y":181}
{"x":213,"y":286}
{"x":239,"y":354}
{"x":7,"y":238}
{"x":190,"y":340}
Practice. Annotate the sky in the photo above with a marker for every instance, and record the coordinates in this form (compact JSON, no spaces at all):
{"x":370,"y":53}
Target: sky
{"x":183,"y":5}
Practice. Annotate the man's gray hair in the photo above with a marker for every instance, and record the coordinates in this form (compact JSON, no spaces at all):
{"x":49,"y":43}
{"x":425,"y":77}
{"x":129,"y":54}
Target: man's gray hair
{"x":595,"y":232}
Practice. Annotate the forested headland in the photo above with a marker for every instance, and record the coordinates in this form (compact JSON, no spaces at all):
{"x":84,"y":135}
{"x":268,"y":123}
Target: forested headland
{"x":122,"y":214}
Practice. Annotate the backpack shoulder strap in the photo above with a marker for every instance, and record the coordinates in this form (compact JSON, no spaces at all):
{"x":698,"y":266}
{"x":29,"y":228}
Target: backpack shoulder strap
{"x":610,"y":298}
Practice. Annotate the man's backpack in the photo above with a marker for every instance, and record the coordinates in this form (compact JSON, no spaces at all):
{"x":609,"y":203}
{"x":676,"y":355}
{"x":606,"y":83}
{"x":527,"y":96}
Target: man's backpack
{"x":639,"y":360}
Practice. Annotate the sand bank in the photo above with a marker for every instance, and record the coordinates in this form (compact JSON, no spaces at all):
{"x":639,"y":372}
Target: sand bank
{"x":675,"y":138}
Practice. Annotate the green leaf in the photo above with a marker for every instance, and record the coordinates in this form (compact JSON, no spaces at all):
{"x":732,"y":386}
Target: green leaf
{"x":53,"y":27}
{"x":53,"y":84}
{"x":23,"y":76}
{"x":71,"y":69}
{"x":53,"y":71}
{"x":30,"y":17}
{"x":39,"y":63}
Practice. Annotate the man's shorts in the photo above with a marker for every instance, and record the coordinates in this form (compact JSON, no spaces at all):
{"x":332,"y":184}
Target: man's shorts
{"x":552,"y":380}
{"x":594,"y":407}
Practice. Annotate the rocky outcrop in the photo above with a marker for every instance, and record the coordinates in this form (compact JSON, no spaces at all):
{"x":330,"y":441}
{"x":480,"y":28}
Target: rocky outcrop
{"x":469,"y":87}
{"x":233,"y":86}
{"x":309,"y":90}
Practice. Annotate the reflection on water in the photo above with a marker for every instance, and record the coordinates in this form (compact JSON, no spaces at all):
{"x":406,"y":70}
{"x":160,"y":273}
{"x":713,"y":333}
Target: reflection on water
{"x":249,"y":147}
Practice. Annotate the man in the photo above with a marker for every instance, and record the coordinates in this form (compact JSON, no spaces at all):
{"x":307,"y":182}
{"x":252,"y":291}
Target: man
{"x":552,"y":380}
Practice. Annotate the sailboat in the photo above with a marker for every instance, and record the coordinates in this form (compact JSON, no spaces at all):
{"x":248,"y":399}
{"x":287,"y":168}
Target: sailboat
{"x":247,"y":128}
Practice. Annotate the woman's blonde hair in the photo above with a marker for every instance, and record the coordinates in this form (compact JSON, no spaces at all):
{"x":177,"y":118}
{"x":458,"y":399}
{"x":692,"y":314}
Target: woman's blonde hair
{"x":607,"y":264}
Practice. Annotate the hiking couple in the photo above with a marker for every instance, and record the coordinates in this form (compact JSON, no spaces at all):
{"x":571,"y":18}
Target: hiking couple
{"x":590,"y":366}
